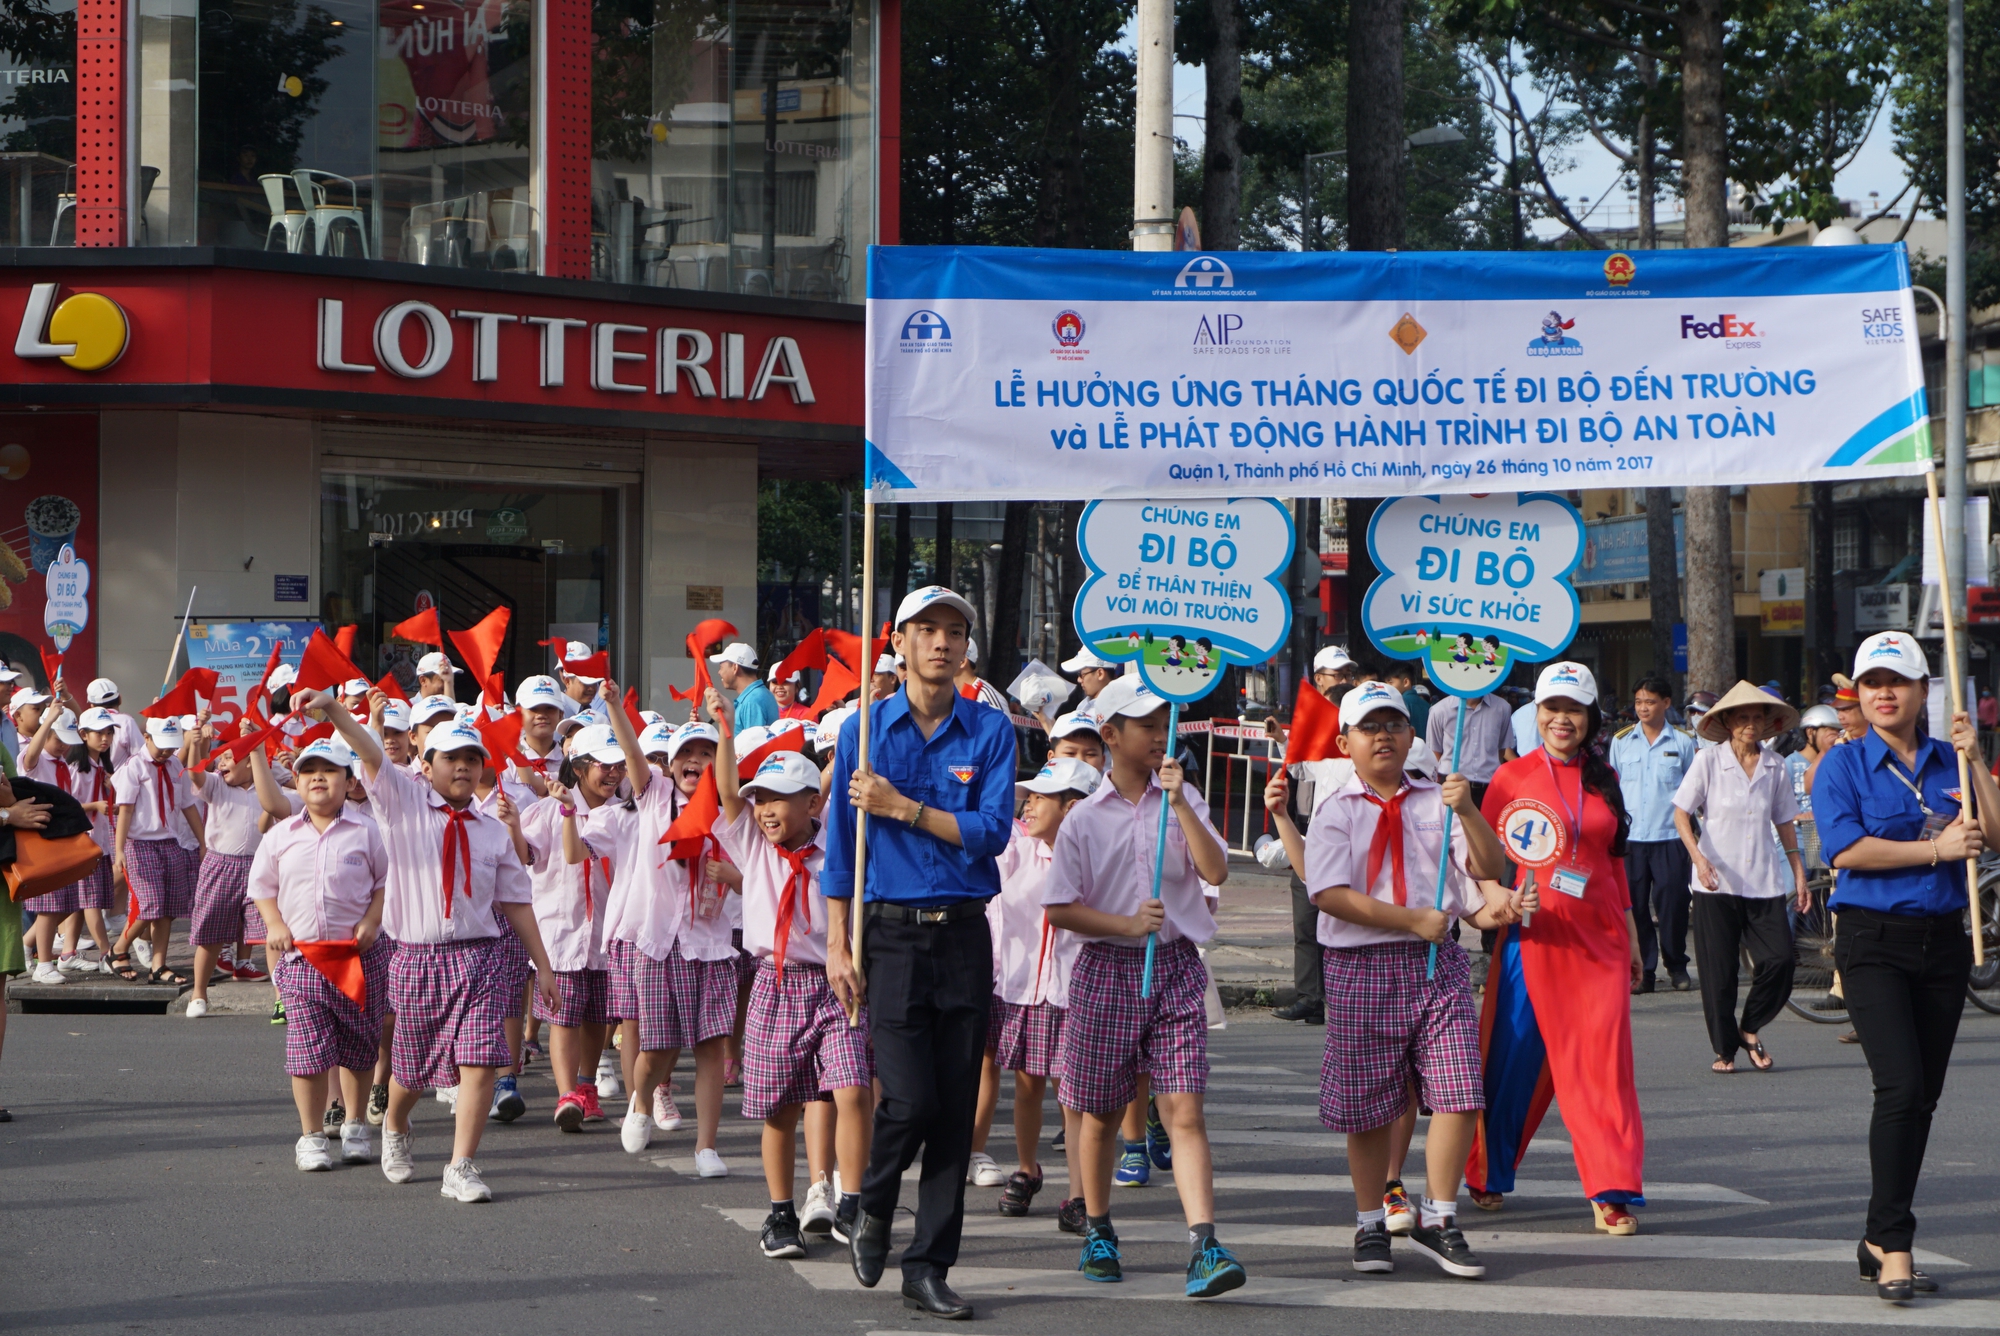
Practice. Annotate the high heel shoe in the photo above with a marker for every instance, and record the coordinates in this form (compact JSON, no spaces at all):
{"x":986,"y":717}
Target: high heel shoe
{"x":1894,"y":1291}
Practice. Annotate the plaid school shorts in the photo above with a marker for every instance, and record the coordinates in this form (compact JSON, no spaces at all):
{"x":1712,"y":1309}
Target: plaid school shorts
{"x":162,"y":877}
{"x":797,"y":1044}
{"x":1387,"y":1025}
{"x":61,"y":901}
{"x":449,"y":1011}
{"x":746,"y":964}
{"x":1111,"y":1034}
{"x":95,"y":891}
{"x":323,"y":1027}
{"x":681,"y":1002}
{"x":515,"y":967}
{"x":1027,"y":1038}
{"x":219,"y":900}
{"x":580,"y":998}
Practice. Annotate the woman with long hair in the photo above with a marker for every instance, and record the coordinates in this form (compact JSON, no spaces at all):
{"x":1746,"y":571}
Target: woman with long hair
{"x":1557,"y":1021}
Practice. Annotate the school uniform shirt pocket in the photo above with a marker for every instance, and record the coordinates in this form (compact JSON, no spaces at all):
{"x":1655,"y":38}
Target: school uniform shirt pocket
{"x":955,"y":786}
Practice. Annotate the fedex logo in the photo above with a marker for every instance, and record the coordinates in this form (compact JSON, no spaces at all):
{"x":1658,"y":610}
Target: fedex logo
{"x":1722,"y":327}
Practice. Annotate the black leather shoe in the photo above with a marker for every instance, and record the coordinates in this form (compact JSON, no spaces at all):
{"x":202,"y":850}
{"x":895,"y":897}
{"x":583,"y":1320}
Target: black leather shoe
{"x":1647,"y":983}
{"x":869,"y":1249}
{"x":1895,"y":1291}
{"x":931,"y":1295}
{"x":1681,"y":982}
{"x":1305,"y":1009}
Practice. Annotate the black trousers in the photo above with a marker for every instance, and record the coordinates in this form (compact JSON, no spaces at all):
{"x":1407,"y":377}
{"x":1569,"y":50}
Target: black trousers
{"x":1904,"y":979}
{"x":1658,"y":871}
{"x":1306,"y":976}
{"x":930,"y":992}
{"x":1723,"y":926}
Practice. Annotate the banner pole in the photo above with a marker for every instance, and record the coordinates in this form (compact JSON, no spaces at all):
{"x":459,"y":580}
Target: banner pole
{"x":866,"y":672}
{"x":1160,"y":847}
{"x":1444,"y":851}
{"x":179,"y":638}
{"x":1957,"y":707}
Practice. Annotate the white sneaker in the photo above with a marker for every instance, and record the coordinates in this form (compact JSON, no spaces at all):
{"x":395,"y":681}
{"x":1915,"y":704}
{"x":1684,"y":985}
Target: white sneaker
{"x":984,"y":1172}
{"x":610,"y":1082}
{"x":142,"y":952}
{"x":838,"y":1191}
{"x":396,"y":1165}
{"x":817,"y":1218}
{"x":60,"y":943}
{"x":310,"y":1153}
{"x":356,"y":1146}
{"x":708,"y":1164}
{"x":75,"y":964}
{"x":448,"y":1096}
{"x":666,"y":1113}
{"x":197,"y":1008}
{"x":463,"y":1183}
{"x":636,"y":1132}
{"x":46,"y":972}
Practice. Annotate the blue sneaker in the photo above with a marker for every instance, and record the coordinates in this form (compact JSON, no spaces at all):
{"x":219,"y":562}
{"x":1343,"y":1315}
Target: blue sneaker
{"x":1099,"y":1260}
{"x":1158,"y":1148}
{"x":507,"y":1102}
{"x":1212,"y":1271}
{"x":1133,"y":1171}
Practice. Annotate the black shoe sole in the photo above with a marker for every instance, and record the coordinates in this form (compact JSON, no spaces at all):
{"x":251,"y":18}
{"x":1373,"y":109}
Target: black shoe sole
{"x":1374,"y":1266}
{"x":817,"y":1228}
{"x":1475,"y":1272}
{"x":952,"y":1315}
{"x":510,"y":1109}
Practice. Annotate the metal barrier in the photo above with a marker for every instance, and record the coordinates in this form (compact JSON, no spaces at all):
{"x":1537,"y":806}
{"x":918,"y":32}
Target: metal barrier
{"x":1238,"y":810}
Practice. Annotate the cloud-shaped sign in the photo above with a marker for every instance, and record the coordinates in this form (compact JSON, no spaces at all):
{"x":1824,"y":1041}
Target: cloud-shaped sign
{"x":1185,"y":587}
{"x":1468,"y":583}
{"x":68,"y":610}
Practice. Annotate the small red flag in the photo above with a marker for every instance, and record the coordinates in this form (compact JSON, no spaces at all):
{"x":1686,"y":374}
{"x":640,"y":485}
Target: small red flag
{"x":848,"y":648}
{"x":502,"y":737}
{"x":631,"y":704}
{"x":422,"y":628}
{"x":181,"y":699}
{"x":391,"y":688}
{"x":704,"y":637}
{"x":323,"y":666}
{"x":248,"y":739}
{"x":480,"y":644}
{"x":340,"y":964}
{"x":1315,"y":731}
{"x":343,"y":640}
{"x":811,"y":653}
{"x":52,"y":668}
{"x":835,"y":686}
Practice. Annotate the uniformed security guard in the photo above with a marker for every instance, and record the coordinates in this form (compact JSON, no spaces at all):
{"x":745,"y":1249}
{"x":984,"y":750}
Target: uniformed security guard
{"x":940,"y":792}
{"x":1651,"y":758}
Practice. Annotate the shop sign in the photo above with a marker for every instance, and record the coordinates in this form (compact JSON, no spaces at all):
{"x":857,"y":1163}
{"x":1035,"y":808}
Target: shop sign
{"x":1781,"y":601}
{"x":1615,"y":551}
{"x":67,"y":611}
{"x":1881,"y":608}
{"x":238,"y":651}
{"x":506,"y":525}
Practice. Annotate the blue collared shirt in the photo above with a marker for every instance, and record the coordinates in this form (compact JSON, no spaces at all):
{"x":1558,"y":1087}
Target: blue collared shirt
{"x":756,"y":707}
{"x":1648,"y":775}
{"x":965,"y":768}
{"x":1857,"y":794}
{"x":1526,"y":737}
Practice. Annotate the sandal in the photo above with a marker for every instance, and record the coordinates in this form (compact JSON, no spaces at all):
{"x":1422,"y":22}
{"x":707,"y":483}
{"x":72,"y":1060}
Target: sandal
{"x":1756,"y":1052}
{"x":1723,"y":1066}
{"x":121,"y":966}
{"x":1613,"y":1218}
{"x":166,"y":976}
{"x":1488,"y":1201}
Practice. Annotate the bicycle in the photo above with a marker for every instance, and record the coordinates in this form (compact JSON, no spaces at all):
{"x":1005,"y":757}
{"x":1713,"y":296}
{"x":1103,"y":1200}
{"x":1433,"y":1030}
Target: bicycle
{"x":1812,"y":997}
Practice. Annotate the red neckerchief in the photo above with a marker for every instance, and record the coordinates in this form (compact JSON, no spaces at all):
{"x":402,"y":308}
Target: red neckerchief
{"x":603,"y":866}
{"x":62,"y":776}
{"x":1042,"y":956}
{"x":1389,"y":839}
{"x":166,"y":785}
{"x":457,"y":846}
{"x":795,"y":898}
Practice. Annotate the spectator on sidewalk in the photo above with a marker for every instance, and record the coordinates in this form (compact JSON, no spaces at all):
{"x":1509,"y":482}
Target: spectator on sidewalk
{"x":1489,"y":739}
{"x":1652,"y":758}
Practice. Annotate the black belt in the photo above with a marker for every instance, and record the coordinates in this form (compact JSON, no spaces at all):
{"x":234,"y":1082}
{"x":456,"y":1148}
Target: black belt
{"x":929,"y":916}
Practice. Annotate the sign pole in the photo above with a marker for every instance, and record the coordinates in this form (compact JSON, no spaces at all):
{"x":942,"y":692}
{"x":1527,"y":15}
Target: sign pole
{"x":1444,"y":857}
{"x":1160,"y":847}
{"x":866,"y":672}
{"x":1957,"y":707}
{"x":175,"y":657}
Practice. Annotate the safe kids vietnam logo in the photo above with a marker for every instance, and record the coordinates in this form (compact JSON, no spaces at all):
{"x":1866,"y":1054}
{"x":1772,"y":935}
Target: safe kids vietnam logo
{"x":1554,"y":340}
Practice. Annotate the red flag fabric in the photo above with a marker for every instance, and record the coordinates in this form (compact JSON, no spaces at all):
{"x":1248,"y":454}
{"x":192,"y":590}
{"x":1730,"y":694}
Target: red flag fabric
{"x":705,"y":636}
{"x":811,"y":653}
{"x":323,"y":666}
{"x":259,"y":695}
{"x":480,"y":645}
{"x":247,"y":741}
{"x":424,"y":628}
{"x":835,"y":686}
{"x":848,"y":647}
{"x":1315,"y":731}
{"x":597,"y":666}
{"x":313,"y":734}
{"x":631,"y":704}
{"x":502,"y":737}
{"x":343,"y":640}
{"x":181,"y":698}
{"x":52,"y":668}
{"x":340,"y":964}
{"x":391,"y":688}
{"x":697,"y":819}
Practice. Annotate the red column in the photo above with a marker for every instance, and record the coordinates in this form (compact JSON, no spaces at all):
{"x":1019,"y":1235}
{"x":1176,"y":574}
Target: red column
{"x":100,"y":123}
{"x":889,"y":122}
{"x":566,"y":133}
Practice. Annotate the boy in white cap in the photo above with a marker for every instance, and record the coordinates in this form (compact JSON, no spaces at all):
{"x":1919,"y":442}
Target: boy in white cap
{"x":158,"y":841}
{"x":391,"y":721}
{"x":541,"y":704}
{"x":129,"y":739}
{"x":1077,"y":735}
{"x":426,"y":714}
{"x":451,"y":866}
{"x":435,"y":672}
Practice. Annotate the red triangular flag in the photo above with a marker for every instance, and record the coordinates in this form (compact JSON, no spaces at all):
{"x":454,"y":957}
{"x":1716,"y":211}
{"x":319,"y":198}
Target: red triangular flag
{"x":323,"y":666}
{"x":340,"y":964}
{"x":848,"y":648}
{"x":480,"y":644}
{"x":502,"y":737}
{"x":697,"y":819}
{"x":247,"y":741}
{"x":811,"y":653}
{"x":343,"y":640}
{"x":631,"y":704}
{"x":705,"y":636}
{"x":1315,"y":730}
{"x":260,"y":695}
{"x":52,"y":668}
{"x":422,"y":628}
{"x":181,"y":699}
{"x":835,"y":686}
{"x":391,"y":688}
{"x":313,"y":734}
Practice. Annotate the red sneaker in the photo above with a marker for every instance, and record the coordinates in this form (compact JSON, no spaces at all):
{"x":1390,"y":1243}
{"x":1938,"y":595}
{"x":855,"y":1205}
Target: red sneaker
{"x":249,"y":973}
{"x":586,"y":1092}
{"x":569,"y":1112}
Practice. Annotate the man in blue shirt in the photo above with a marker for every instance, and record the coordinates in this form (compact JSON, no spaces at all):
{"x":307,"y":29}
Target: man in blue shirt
{"x":736,"y":672}
{"x":939,"y":790}
{"x":1651,"y":758}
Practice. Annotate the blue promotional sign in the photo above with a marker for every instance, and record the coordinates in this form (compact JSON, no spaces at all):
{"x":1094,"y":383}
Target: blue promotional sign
{"x":238,"y":651}
{"x":1615,"y":551}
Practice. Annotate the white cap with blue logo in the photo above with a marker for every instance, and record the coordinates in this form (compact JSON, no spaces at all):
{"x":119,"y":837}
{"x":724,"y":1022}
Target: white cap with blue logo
{"x":932,"y":596}
{"x":657,"y":740}
{"x":540,"y":690}
{"x":1566,"y":681}
{"x":330,"y":750}
{"x":458,"y":735}
{"x":786,"y":772}
{"x":1367,"y":698}
{"x":165,"y":733}
{"x":429,"y":708}
{"x":1897,"y":651}
{"x":690,"y":732}
{"x":396,"y":716}
{"x":1064,"y":774}
{"x":1076,"y":721}
{"x":1128,"y":696}
{"x":596,"y":742}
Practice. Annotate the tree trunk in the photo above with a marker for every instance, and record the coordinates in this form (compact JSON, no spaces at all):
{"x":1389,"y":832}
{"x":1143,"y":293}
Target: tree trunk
{"x":941,"y":565}
{"x":1375,"y":126}
{"x":1072,"y":579}
{"x":899,"y":577}
{"x":1003,"y":656}
{"x":1305,"y":587}
{"x":1663,"y":581}
{"x":1711,"y":592}
{"x":1824,"y":621}
{"x":1222,"y":158}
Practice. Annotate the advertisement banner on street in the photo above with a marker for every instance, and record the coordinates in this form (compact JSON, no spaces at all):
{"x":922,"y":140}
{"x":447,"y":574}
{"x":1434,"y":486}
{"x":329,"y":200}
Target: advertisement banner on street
{"x":48,"y":543}
{"x":238,"y":651}
{"x":996,"y":373}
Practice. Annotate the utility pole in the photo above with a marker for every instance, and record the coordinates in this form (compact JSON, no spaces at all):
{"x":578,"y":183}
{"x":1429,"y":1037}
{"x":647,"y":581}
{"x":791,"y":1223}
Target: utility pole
{"x":1153,"y":147}
{"x":1954,"y":303}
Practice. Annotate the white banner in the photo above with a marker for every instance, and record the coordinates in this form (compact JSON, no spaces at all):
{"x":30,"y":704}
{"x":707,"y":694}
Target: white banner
{"x":1042,"y":375}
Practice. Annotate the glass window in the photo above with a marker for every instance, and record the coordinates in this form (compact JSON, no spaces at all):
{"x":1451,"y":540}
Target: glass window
{"x":380,"y":129}
{"x":37,"y":122}
{"x":733,"y":145}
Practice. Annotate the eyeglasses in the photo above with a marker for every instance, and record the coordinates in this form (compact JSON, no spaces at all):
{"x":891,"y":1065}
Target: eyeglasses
{"x":1374,"y":727}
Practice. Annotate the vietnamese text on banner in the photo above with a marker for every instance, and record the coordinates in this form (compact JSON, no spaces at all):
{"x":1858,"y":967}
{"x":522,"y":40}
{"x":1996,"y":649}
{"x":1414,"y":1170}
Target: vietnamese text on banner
{"x":996,"y":373}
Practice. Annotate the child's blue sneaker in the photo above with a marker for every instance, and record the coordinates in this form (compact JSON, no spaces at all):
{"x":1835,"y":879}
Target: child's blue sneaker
{"x":507,"y":1102}
{"x":1133,"y":1171}
{"x":1158,"y":1148}
{"x":1212,"y":1271}
{"x":1099,"y":1259}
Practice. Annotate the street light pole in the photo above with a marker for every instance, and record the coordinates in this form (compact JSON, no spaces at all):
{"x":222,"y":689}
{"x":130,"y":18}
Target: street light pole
{"x":1436,"y":135}
{"x":1153,"y":148}
{"x":1954,"y":301}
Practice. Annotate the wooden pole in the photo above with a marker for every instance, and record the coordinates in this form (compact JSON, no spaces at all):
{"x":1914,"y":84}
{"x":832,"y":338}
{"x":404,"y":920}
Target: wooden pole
{"x":1957,"y":707}
{"x":179,"y":637}
{"x":866,"y":672}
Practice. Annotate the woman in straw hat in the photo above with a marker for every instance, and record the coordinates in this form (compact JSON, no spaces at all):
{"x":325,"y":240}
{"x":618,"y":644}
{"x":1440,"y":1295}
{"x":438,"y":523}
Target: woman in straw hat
{"x":1740,"y":791}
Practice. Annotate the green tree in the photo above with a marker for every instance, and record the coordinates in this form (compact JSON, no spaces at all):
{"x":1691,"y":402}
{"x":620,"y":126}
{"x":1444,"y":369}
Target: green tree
{"x":1918,"y":33}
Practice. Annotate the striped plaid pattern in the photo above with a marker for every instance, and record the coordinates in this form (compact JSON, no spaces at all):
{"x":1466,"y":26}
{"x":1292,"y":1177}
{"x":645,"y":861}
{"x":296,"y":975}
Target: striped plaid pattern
{"x":581,"y":997}
{"x":797,"y":1044}
{"x":162,"y":877}
{"x":1027,"y":1038}
{"x":62,"y":900}
{"x":621,"y":999}
{"x":746,"y":964}
{"x":682,"y":1002}
{"x":219,"y":900}
{"x":95,"y":891}
{"x":323,"y":1027}
{"x":1112,"y":1034}
{"x":515,"y":967}
{"x":1386,"y":1025}
{"x":449,"y":1011}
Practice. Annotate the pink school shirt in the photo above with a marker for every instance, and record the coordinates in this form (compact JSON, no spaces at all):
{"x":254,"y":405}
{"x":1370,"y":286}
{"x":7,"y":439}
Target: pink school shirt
{"x":233,"y":813}
{"x":572,"y":922}
{"x":323,"y":880}
{"x":1031,"y":957}
{"x":652,"y":902}
{"x":411,"y":814}
{"x":138,"y":783}
{"x":1104,"y":859}
{"x":1343,"y":828}
{"x":765,"y":874}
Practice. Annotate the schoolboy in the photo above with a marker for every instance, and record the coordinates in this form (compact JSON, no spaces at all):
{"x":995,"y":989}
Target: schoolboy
{"x":157,"y":842}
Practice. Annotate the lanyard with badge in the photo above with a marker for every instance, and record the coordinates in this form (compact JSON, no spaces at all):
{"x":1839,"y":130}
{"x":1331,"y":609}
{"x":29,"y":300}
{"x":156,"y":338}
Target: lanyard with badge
{"x":1934,"y":823}
{"x":1569,"y":876}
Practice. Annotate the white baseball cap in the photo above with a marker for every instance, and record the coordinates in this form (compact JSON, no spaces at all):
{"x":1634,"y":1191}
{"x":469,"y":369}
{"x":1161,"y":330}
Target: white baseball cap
{"x":651,"y":717}
{"x":1076,"y":721}
{"x":826,"y":734}
{"x":281,"y":676}
{"x":596,"y":742}
{"x":435,"y":664}
{"x":886,"y":663}
{"x":396,"y":716}
{"x":25,"y":696}
{"x":96,"y":720}
{"x":1064,"y":774}
{"x":458,"y":735}
{"x":331,"y":750}
{"x":572,"y":722}
{"x":657,"y":740}
{"x":932,"y":596}
{"x":1570,"y":681}
{"x":101,"y":691}
{"x":1367,"y":698}
{"x":1128,"y":696}
{"x":1421,"y":759}
{"x":539,"y":691}
{"x":692,"y":731}
{"x":428,"y":708}
{"x":66,"y":730}
{"x":789,"y":724}
{"x":737,"y":653}
{"x":785,"y":772}
{"x":1331,"y":659}
{"x":355,"y":686}
{"x":8,"y":673}
{"x":1086,"y":658}
{"x":165,"y":733}
{"x":773,"y":674}
{"x":750,"y":739}
{"x":971,"y":650}
{"x":1897,"y":651}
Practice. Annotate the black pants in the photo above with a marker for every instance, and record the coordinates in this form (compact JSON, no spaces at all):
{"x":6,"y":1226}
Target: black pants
{"x":1904,"y":979}
{"x":1723,"y":926}
{"x":1658,"y":872}
{"x":930,"y":991}
{"x":1305,"y":945}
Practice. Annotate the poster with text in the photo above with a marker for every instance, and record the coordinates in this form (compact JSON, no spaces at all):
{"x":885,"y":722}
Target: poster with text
{"x":48,"y":507}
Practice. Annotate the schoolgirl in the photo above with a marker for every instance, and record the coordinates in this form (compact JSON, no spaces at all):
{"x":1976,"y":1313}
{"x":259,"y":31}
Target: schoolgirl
{"x":157,"y":841}
{"x":243,"y":801}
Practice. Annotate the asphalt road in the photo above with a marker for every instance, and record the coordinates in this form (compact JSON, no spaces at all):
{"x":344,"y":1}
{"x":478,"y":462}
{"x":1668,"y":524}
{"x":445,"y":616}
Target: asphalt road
{"x":149,"y":1187}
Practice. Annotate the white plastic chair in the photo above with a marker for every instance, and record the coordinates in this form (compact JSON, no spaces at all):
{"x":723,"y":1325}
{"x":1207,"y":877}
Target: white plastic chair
{"x":284,"y":218}
{"x":324,"y":214}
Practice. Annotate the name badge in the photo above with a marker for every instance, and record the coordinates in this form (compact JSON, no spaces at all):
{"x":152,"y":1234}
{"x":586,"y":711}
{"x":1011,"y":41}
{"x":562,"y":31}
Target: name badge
{"x":1570,"y":880}
{"x":1934,"y":825}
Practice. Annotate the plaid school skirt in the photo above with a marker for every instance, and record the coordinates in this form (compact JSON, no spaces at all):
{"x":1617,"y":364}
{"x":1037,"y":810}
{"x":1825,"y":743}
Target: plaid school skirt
{"x":162,"y":877}
{"x":1387,"y":1025}
{"x":581,"y":997}
{"x":450,"y":1012}
{"x":797,"y":1044}
{"x":1111,"y":1034}
{"x":83,"y":894}
{"x":323,"y":1027}
{"x":515,"y":967}
{"x":1025,"y":1038}
{"x":223,"y":914}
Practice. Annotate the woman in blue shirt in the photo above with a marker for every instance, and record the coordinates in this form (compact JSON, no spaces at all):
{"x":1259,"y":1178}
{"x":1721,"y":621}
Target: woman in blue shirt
{"x":1888,"y":808}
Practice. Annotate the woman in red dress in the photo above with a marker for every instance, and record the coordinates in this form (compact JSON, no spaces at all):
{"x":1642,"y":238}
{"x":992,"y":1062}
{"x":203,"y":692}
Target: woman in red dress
{"x":1557,"y":1020}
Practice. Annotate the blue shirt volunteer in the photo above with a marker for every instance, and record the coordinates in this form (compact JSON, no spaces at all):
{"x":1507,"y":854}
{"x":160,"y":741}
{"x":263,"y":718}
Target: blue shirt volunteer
{"x":1649,"y":773}
{"x":756,"y":707}
{"x":1862,"y":789}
